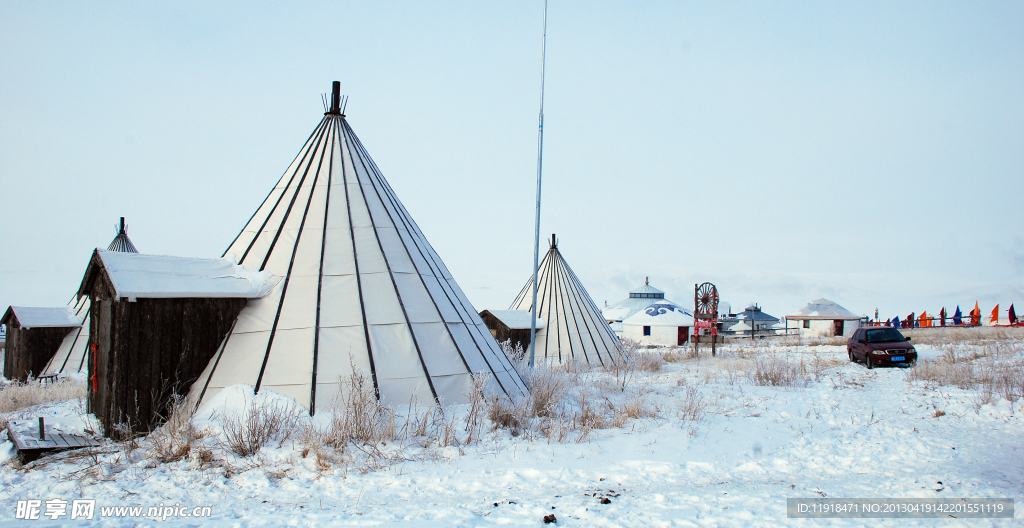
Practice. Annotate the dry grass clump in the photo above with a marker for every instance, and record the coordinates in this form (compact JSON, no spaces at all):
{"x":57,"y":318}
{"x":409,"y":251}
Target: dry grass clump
{"x":173,"y":440}
{"x":15,"y":395}
{"x":777,"y":371}
{"x":632,"y":359}
{"x":358,"y":416}
{"x":692,"y":410}
{"x":260,"y":424}
{"x":679,"y":355}
{"x":996,"y":369}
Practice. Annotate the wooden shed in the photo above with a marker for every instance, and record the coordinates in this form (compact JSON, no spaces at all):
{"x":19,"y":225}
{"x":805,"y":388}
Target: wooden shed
{"x":33,"y":336}
{"x":156,"y":321}
{"x":510,"y":324}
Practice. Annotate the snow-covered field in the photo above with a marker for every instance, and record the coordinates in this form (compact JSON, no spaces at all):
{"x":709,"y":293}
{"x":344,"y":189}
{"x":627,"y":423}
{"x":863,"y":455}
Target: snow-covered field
{"x":720,"y":449}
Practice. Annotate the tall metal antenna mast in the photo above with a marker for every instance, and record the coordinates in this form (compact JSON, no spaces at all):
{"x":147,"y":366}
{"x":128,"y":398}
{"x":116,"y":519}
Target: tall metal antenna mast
{"x":540,"y":165}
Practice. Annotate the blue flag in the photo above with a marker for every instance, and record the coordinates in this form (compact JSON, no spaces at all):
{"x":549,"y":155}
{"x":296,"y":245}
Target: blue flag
{"x":896,"y":322}
{"x":957,"y":316}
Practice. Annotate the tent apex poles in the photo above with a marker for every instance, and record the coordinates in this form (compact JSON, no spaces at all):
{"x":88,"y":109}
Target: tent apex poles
{"x":540,"y":165}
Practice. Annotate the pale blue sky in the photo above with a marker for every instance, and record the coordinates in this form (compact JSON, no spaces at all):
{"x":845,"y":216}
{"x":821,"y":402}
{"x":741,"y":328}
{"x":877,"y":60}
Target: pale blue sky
{"x":870,"y":153}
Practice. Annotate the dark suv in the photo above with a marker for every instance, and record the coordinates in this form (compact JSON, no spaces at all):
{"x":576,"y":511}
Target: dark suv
{"x":881,"y":346}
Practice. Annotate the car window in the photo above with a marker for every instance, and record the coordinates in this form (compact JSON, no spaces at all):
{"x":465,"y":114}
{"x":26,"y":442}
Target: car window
{"x":885,"y":335}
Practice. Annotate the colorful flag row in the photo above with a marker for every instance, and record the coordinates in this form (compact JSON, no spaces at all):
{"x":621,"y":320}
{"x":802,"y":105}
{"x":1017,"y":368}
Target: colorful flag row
{"x":973,"y":318}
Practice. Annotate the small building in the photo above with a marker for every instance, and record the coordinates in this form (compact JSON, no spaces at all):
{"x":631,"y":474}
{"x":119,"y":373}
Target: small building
{"x":824,"y":318}
{"x":33,"y":335}
{"x":750,"y":321}
{"x":70,"y":356}
{"x":511,"y":325}
{"x":662,"y":323}
{"x":156,"y":322}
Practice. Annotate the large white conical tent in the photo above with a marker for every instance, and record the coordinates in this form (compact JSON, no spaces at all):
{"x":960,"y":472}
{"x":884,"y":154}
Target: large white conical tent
{"x":70,"y":356}
{"x":362,"y":289}
{"x":574,"y":328}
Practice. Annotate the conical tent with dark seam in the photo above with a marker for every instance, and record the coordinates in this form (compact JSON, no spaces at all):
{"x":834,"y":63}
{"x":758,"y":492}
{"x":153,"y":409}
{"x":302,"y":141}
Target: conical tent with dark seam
{"x":362,"y":289}
{"x":575,"y":328}
{"x":70,"y":357}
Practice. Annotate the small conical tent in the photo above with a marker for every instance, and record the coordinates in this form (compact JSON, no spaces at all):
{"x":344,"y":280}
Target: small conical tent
{"x":362,"y":289}
{"x":574,"y":327}
{"x":70,"y":357}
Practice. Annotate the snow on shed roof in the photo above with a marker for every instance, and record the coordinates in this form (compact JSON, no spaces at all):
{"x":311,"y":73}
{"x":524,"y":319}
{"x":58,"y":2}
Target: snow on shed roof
{"x":135,"y":275}
{"x":661,"y":313}
{"x":32,"y":317}
{"x":516,"y":319}
{"x":823,"y":309}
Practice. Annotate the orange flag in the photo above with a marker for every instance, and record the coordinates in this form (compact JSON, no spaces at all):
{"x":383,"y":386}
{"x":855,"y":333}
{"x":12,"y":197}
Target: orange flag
{"x":923,"y":319}
{"x":975,"y":314}
{"x":995,"y":315}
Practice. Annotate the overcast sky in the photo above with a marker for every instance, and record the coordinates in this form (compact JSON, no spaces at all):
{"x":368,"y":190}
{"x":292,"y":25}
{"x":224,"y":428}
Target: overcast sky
{"x":869,"y":153}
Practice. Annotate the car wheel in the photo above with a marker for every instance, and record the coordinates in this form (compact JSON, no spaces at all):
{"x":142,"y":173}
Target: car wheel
{"x":850,"y":352}
{"x":867,"y":361}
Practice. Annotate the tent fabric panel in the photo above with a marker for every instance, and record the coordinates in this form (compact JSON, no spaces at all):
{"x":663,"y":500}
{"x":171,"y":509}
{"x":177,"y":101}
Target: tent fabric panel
{"x":419,"y":307}
{"x":394,"y":353}
{"x":240,"y":361}
{"x":291,"y":359}
{"x":436,"y":291}
{"x":338,"y":258}
{"x":453,"y":389}
{"x":380,"y":301}
{"x":443,"y":358}
{"x":258,"y":314}
{"x":463,"y":339}
{"x":400,"y":391}
{"x":298,"y":310}
{"x":339,"y":349}
{"x":368,"y":253}
{"x":339,"y":301}
{"x":395,"y":251}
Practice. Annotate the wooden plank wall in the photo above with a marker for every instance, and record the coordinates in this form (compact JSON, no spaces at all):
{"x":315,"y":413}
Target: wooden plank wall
{"x":148,"y":351}
{"x":28,"y":350}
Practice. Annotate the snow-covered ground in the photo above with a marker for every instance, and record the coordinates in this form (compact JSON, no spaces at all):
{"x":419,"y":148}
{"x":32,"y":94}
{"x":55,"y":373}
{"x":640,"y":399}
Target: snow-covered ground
{"x":842,"y":431}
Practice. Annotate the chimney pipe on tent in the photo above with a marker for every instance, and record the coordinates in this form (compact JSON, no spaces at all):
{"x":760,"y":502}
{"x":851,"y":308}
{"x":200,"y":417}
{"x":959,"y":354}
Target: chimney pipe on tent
{"x":336,"y":97}
{"x":122,"y":225}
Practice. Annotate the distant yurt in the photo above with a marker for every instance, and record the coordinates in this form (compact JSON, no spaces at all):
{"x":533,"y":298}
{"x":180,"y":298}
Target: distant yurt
{"x":573,"y":325}
{"x":663,"y":323}
{"x":33,"y":335}
{"x":361,"y":288}
{"x":822,"y":318}
{"x":156,"y":322}
{"x":70,"y":355}
{"x":638,"y":300}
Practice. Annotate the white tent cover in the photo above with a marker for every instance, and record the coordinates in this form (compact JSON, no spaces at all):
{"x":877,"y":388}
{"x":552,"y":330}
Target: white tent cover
{"x":574,"y":327}
{"x":661,"y":313}
{"x":823,"y":309}
{"x":362,"y":290}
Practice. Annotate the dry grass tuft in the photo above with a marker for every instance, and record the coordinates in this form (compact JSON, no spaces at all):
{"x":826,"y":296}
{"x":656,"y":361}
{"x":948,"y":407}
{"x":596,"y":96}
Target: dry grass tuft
{"x":996,"y":369}
{"x":261,"y":424}
{"x":173,"y":440}
{"x":777,"y":372}
{"x":15,"y":395}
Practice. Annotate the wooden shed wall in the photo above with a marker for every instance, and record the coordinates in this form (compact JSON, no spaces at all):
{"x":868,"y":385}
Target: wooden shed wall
{"x":148,"y":351}
{"x":28,"y":350}
{"x":502,"y":332}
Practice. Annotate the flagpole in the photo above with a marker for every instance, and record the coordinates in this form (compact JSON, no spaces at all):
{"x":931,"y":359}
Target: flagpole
{"x":540,"y":165}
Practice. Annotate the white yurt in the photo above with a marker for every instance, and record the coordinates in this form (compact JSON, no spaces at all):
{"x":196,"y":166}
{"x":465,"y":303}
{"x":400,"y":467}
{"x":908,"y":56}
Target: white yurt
{"x":824,"y":318}
{"x":638,"y":299}
{"x":663,"y":323}
{"x":362,"y":289}
{"x":573,"y":326}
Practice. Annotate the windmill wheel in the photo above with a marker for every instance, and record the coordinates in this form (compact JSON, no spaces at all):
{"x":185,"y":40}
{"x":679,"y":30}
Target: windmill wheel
{"x":707,"y":299}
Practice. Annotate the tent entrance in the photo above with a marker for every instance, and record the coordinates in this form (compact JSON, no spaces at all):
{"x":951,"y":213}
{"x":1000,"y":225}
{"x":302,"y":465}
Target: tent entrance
{"x":683,"y":335}
{"x":837,"y":327}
